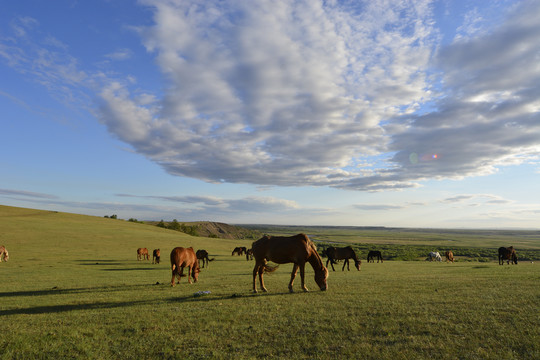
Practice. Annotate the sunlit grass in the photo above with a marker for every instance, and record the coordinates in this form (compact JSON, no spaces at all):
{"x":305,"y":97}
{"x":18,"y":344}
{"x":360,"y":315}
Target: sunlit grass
{"x":74,"y":289}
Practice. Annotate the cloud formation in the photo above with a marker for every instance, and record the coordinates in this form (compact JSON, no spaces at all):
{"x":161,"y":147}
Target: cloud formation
{"x":353,"y":95}
{"x":276,"y":94}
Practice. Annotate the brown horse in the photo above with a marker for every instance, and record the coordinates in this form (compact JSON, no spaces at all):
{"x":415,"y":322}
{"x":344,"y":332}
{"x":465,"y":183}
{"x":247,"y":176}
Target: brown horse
{"x":203,"y":255}
{"x":4,"y":255}
{"x":297,"y":249}
{"x":372,"y":254}
{"x":239,"y":250}
{"x":249,"y":254}
{"x":156,"y":255}
{"x":344,"y":253}
{"x":508,"y":254}
{"x":449,"y":256}
{"x":181,"y":258}
{"x":142,"y":254}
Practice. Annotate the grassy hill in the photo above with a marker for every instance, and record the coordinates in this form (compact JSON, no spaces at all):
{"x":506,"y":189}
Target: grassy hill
{"x":73,"y":288}
{"x":46,"y":236}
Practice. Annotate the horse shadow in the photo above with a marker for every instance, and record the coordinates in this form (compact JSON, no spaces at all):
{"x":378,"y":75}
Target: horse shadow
{"x":52,"y":309}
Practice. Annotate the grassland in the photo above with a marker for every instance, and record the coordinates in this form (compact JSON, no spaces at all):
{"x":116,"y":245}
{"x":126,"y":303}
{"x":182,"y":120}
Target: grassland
{"x":74,"y":289}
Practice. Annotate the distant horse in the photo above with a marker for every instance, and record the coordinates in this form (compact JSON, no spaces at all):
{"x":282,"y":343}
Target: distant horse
{"x":239,"y":250}
{"x":432,"y":256}
{"x":181,"y":258}
{"x":449,"y":256}
{"x":142,"y":254}
{"x":508,"y":254}
{"x":344,"y":253}
{"x":4,"y":255}
{"x":297,"y":249}
{"x":203,"y":255}
{"x":156,"y":255}
{"x":372,"y":254}
{"x":249,"y":254}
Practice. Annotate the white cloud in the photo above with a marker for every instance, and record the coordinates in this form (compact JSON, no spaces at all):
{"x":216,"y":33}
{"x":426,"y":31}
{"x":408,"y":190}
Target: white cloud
{"x":120,"y":54}
{"x":288,"y":93}
{"x":313,"y":93}
{"x":488,"y":116}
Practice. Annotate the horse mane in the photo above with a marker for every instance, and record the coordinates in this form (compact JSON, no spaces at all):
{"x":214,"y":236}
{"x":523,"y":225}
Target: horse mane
{"x":317,"y":261}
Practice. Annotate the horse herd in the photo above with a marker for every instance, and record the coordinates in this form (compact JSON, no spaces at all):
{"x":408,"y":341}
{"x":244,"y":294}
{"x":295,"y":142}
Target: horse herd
{"x":297,"y":249}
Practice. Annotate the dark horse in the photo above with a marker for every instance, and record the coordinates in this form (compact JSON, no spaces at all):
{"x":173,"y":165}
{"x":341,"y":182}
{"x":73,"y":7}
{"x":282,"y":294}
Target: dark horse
{"x":156,"y":256}
{"x":203,"y":255}
{"x":372,"y":254}
{"x":508,"y":254}
{"x":297,"y":249}
{"x":240,"y":250}
{"x":344,"y":253}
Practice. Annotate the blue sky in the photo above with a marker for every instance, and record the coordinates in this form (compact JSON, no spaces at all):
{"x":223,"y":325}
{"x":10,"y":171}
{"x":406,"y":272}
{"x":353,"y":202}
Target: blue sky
{"x":367,"y":113}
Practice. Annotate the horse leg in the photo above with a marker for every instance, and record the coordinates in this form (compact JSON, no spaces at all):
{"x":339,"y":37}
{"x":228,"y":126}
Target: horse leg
{"x":174,"y":272}
{"x":261,"y":272}
{"x":258,"y":269}
{"x":179,"y":275}
{"x":331,"y":263}
{"x":345,"y":262}
{"x":189,"y":274}
{"x":255,"y":272}
{"x":293,"y":275}
{"x":302,"y":268}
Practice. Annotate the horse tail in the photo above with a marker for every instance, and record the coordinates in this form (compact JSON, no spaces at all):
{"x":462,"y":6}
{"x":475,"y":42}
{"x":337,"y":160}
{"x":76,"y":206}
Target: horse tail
{"x":173,"y":267}
{"x":270,"y":269}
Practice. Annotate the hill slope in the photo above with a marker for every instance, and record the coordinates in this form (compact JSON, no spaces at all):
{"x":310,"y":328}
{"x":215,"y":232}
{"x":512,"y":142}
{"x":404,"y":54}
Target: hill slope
{"x":40,"y":234}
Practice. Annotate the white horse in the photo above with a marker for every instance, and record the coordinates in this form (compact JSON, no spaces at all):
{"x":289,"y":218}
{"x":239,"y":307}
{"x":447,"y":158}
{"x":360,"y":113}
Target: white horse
{"x":4,"y":255}
{"x":432,"y":256}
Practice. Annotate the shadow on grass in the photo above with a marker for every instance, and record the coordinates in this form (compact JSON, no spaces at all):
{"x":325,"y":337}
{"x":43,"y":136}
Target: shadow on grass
{"x":60,"y":291}
{"x":196,"y":297}
{"x":134,"y":269}
{"x":142,"y":267}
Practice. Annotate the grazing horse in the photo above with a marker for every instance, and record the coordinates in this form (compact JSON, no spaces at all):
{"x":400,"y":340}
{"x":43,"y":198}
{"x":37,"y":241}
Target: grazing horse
{"x":372,"y":254}
{"x":203,"y":255}
{"x":508,"y":254}
{"x":297,"y":249}
{"x":156,"y":255}
{"x":142,"y":254}
{"x":449,"y":256}
{"x":4,"y":255}
{"x":249,"y":254}
{"x":239,"y":250}
{"x":181,"y":258}
{"x":434,"y":255}
{"x":344,"y":253}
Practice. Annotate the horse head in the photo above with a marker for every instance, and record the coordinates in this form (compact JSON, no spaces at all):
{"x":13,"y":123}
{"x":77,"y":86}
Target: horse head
{"x":195,"y":272}
{"x":320,"y":278}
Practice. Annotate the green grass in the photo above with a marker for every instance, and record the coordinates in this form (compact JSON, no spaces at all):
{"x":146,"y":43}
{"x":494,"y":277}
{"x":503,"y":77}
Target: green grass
{"x":74,"y":289}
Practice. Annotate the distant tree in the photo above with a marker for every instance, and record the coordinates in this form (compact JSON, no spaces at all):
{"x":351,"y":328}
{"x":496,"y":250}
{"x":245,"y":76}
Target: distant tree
{"x":174,"y":225}
{"x":161,"y":224}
